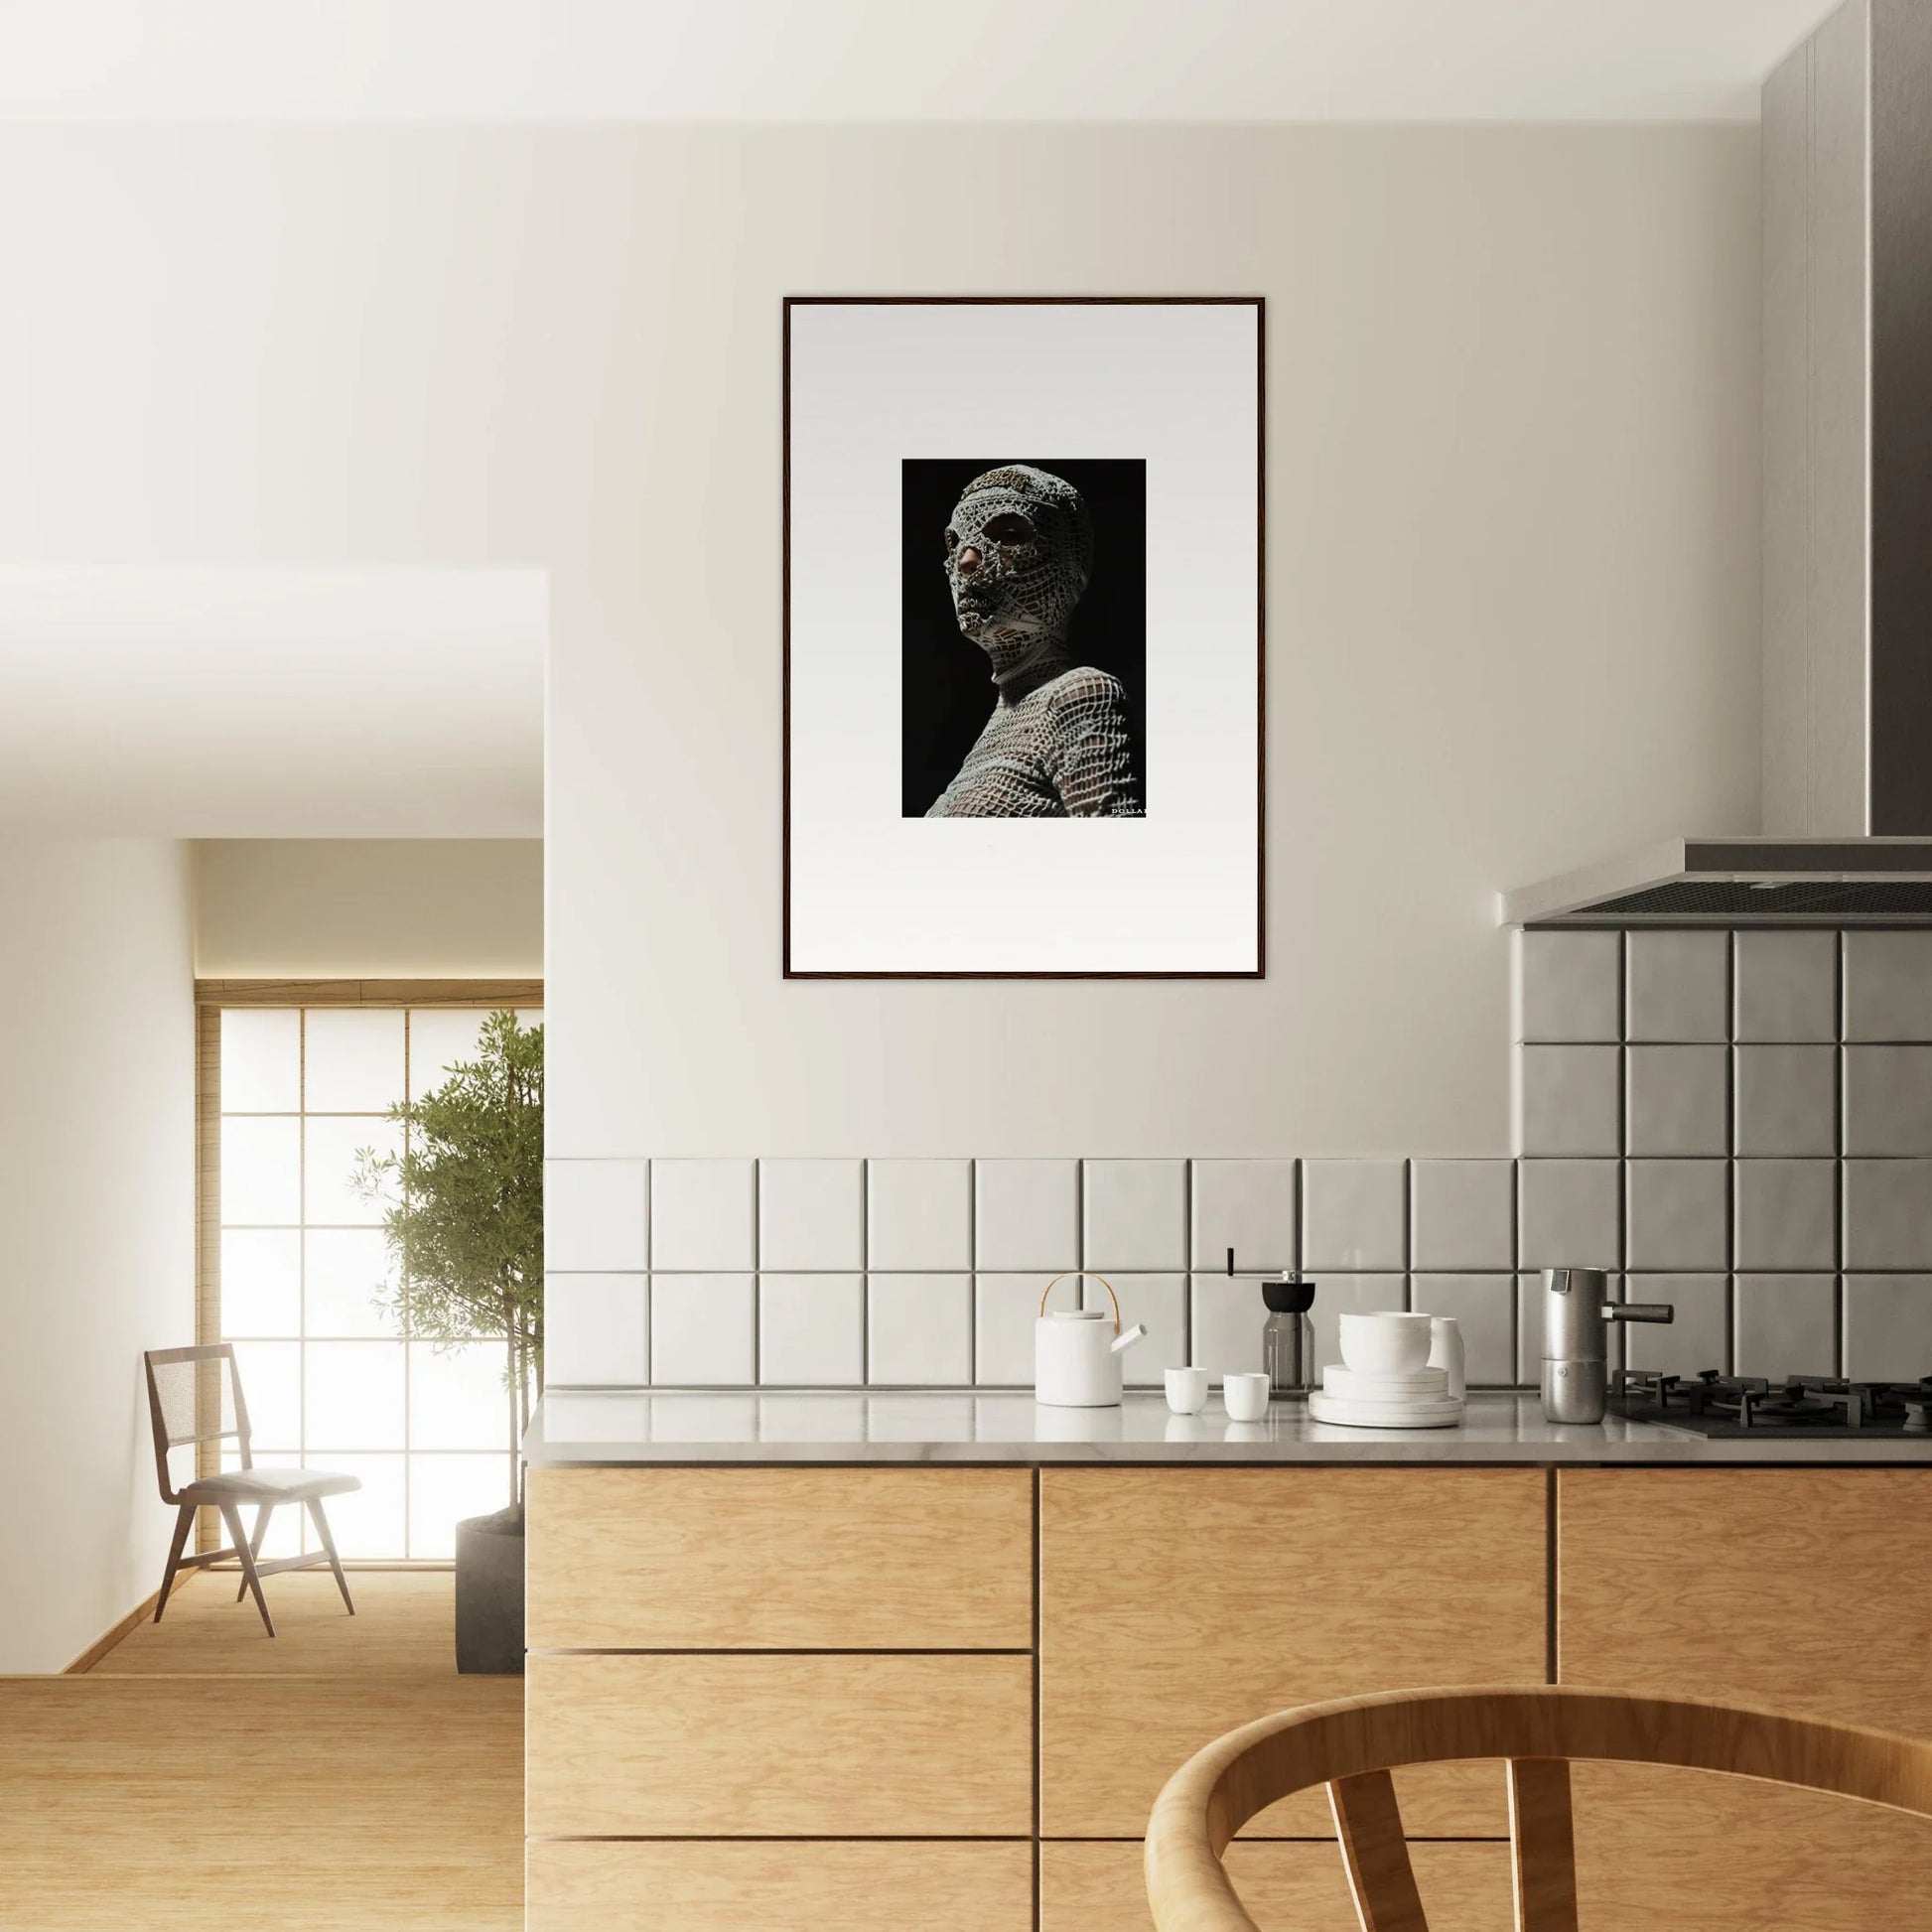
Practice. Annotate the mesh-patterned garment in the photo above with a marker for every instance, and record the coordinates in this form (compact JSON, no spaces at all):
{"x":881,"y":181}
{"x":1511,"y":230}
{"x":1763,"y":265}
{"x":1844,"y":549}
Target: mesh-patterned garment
{"x":1020,"y":550}
{"x":1058,"y":748}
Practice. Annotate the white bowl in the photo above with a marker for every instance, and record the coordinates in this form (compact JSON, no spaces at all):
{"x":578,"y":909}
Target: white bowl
{"x":1384,"y":1343}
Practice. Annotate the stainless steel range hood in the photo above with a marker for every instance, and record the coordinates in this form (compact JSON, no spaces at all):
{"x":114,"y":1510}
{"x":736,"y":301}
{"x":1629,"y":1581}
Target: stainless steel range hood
{"x":1847,"y":757}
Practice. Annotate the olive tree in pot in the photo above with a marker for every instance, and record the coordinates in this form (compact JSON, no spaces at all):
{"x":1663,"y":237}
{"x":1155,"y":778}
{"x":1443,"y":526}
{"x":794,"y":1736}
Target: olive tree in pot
{"x":463,"y":1214}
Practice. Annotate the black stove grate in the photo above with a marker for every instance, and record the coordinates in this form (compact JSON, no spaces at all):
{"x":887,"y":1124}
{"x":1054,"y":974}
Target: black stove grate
{"x":1717,"y":1405}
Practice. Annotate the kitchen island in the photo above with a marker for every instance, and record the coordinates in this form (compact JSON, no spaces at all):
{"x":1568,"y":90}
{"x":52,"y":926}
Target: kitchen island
{"x":860,"y":1661}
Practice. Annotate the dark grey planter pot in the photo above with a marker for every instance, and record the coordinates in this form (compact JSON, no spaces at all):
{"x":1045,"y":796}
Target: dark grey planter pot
{"x":489,"y":1594}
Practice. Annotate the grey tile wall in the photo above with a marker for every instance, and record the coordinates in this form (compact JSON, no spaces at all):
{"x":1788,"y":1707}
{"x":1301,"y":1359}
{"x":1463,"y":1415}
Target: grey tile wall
{"x":809,"y":1274}
{"x":1773,"y":1173}
{"x":1738,"y":1123}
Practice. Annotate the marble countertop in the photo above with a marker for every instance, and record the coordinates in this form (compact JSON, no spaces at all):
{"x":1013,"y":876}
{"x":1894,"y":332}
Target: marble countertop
{"x":976,"y":1427}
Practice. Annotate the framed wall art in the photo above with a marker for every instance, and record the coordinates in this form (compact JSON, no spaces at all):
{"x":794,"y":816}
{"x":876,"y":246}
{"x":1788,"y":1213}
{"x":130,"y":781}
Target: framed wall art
{"x":1023,"y":706}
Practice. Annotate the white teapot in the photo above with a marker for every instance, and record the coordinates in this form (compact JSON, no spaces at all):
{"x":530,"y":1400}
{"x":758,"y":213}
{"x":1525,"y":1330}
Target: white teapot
{"x":1077,"y":1351}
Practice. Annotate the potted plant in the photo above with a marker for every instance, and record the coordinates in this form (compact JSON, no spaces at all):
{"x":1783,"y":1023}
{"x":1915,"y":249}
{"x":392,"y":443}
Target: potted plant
{"x":463,"y":1214}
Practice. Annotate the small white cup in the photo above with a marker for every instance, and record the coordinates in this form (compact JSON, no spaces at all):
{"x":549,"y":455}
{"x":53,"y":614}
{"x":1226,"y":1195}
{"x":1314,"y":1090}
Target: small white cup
{"x":1246,"y":1396}
{"x":1187,"y":1390}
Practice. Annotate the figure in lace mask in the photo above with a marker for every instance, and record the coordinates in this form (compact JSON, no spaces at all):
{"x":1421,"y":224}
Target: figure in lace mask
{"x":1019,"y":554}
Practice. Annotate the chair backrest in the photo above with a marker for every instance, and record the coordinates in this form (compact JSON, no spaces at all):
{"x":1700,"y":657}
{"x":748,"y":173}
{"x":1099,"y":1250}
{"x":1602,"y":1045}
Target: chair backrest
{"x":195,"y":1396}
{"x":1353,"y":1745}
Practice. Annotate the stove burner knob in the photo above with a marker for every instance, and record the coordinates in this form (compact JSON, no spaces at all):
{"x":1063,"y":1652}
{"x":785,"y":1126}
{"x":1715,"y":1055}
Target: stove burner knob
{"x":1918,"y":1417}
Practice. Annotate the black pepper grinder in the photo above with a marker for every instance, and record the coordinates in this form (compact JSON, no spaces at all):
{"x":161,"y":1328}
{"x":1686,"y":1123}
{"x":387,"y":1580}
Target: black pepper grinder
{"x":1287,"y":1336}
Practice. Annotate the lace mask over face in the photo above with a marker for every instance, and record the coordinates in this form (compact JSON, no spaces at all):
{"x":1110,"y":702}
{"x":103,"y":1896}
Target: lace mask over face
{"x":1019,"y":553}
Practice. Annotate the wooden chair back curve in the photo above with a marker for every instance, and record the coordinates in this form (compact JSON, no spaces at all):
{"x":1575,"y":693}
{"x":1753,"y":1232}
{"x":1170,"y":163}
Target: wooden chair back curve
{"x":1351,"y":1745}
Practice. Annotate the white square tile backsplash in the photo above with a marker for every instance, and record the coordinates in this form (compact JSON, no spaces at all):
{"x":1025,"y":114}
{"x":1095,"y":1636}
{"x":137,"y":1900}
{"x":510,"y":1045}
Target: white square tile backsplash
{"x":812,"y":1215}
{"x":1246,"y":1205}
{"x":1568,"y":985}
{"x":703,"y":1215}
{"x":920,"y":1214}
{"x":1567,"y":1101}
{"x":1463,"y":1214}
{"x":1888,"y":985}
{"x":919,"y":1330}
{"x":594,"y":1329}
{"x":703,"y":1331}
{"x":1759,"y":1106}
{"x":811,"y":1330}
{"x":1135,"y":1214}
{"x":1677,"y":986}
{"x":595,"y":1215}
{"x":1026,"y":1215}
{"x":1355,"y":1214}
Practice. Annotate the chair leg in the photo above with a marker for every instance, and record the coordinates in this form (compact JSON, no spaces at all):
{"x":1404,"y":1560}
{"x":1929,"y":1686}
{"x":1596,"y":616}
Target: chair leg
{"x":183,"y":1522}
{"x":329,"y":1543}
{"x":262,"y":1513}
{"x":231,"y":1515}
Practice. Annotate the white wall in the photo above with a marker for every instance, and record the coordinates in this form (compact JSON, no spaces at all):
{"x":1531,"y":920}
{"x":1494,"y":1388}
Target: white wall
{"x":385,"y":908}
{"x":1512,"y":554}
{"x":97,"y":1200}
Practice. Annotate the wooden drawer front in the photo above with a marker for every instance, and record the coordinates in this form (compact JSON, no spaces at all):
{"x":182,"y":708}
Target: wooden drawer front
{"x":1099,"y":1888}
{"x":809,"y":1887}
{"x":1176,"y":1605}
{"x":1806,"y":1589}
{"x":795,"y":1746}
{"x":1700,"y":1852}
{"x":780,"y":1559}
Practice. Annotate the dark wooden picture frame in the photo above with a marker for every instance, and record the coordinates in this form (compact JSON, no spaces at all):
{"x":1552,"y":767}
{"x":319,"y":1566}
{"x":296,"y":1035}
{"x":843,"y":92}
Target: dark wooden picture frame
{"x":1259,"y":304}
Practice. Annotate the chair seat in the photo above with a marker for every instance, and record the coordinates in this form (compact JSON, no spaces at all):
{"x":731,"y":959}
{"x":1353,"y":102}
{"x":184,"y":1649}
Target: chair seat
{"x":268,"y":1486}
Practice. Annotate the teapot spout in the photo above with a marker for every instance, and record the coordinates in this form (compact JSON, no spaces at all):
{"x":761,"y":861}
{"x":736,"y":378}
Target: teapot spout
{"x":1138,"y":1332}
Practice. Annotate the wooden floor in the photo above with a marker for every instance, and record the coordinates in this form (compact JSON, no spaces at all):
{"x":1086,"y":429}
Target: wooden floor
{"x":340,"y":1778}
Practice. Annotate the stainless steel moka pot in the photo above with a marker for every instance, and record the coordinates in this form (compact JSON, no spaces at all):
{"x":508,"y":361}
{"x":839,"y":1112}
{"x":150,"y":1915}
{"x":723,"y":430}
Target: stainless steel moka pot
{"x":1576,"y":1317}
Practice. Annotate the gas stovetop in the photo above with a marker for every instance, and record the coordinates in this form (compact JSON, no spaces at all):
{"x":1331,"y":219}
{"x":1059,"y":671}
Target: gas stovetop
{"x":1751,"y":1405}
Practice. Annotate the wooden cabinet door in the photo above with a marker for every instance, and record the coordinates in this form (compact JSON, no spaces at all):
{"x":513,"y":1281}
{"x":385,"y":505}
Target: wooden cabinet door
{"x":1807,"y":1591}
{"x":694,"y":1885}
{"x":799,"y":1745}
{"x":1089,"y":1887}
{"x":764,"y":1558}
{"x":1179,"y":1603}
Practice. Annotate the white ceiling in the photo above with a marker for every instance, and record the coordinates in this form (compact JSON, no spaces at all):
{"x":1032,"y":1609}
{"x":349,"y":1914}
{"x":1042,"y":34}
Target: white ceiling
{"x":894,"y":59}
{"x":190,"y":703}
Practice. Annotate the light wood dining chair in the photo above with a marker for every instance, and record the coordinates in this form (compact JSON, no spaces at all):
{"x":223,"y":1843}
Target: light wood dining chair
{"x":1353,"y":1745}
{"x":195,"y":1396}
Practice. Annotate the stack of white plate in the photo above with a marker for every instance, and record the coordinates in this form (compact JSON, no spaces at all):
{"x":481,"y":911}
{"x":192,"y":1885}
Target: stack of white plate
{"x":1383,"y":1380}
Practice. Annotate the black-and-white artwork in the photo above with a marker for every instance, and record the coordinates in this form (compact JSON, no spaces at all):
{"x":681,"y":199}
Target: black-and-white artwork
{"x":1022,"y":574}
{"x":1024,"y":655}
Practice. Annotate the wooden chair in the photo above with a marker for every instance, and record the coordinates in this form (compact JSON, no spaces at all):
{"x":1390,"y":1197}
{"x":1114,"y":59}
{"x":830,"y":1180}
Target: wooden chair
{"x":195,"y":1396}
{"x":1351,"y":1746}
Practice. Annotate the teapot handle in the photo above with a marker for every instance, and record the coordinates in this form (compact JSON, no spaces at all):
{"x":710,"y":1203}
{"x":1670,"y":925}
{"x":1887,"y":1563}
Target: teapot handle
{"x":1081,"y":1274}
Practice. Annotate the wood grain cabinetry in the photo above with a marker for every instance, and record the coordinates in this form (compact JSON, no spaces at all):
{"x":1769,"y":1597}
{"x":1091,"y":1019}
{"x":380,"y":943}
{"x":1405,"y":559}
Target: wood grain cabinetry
{"x":781,"y":1697}
{"x":780,"y":1559}
{"x":1807,"y":1591}
{"x":815,"y":1699}
{"x":802,"y":1887}
{"x":735,"y":1746}
{"x":1178,"y":1603}
{"x":1098,"y":1887}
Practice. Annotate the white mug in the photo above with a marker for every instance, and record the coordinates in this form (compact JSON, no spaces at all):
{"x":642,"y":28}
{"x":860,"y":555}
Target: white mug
{"x":1187,"y":1390}
{"x":1446,"y":1352}
{"x":1246,"y":1396}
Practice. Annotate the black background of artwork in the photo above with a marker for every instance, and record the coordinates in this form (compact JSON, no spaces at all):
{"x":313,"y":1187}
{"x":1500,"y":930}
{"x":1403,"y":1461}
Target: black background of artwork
{"x":946,"y":680}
